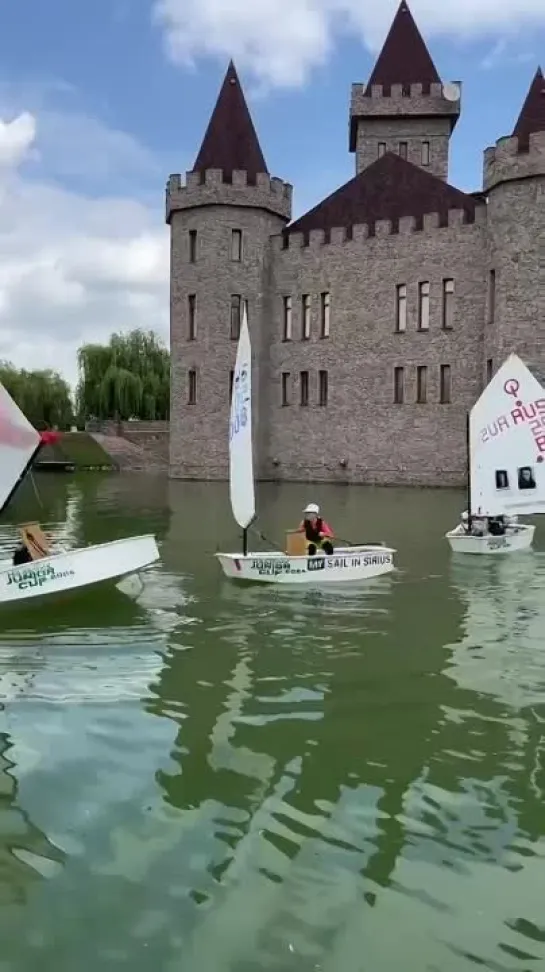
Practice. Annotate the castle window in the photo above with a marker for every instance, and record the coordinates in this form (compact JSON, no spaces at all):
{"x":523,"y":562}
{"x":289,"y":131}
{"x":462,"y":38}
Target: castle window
{"x":192,"y":387}
{"x":236,"y":309}
{"x":304,"y":387}
{"x":403,"y":150}
{"x":401,"y":307}
{"x":192,"y":317}
{"x":236,"y":245}
{"x":448,"y":304}
{"x":399,"y":386}
{"x":421,"y":385}
{"x":425,"y":153}
{"x":305,"y":307}
{"x":231,"y":381}
{"x":381,"y":149}
{"x":287,"y":319}
{"x":445,"y":385}
{"x":424,"y":306}
{"x":285,"y":388}
{"x":489,"y":370}
{"x":192,"y":246}
{"x":325,"y":307}
{"x":492,"y":297}
{"x":322,"y":387}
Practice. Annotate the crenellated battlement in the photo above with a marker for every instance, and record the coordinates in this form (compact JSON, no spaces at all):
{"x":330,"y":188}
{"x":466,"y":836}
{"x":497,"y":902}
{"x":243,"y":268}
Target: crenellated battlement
{"x":406,"y":100}
{"x":214,"y":188}
{"x":380,"y":229}
{"x":508,"y":160}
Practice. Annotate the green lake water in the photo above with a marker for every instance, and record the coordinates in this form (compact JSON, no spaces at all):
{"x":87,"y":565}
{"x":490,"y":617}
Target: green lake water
{"x":225,"y":779}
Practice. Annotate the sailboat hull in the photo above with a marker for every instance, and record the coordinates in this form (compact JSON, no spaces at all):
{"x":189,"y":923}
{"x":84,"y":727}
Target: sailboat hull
{"x":346,"y":565}
{"x":514,"y":540}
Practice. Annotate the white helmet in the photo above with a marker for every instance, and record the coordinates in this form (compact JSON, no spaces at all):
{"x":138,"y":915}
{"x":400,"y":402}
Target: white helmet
{"x":465,"y":516}
{"x":312,"y":508}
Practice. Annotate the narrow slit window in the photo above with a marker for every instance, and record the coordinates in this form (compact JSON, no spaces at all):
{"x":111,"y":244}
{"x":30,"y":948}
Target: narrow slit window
{"x":304,"y":387}
{"x":192,"y":387}
{"x":236,"y":245}
{"x":323,"y":387}
{"x":424,"y":306}
{"x":231,"y":381}
{"x":192,"y":246}
{"x":192,"y":317}
{"x":401,"y":308}
{"x":287,"y":327}
{"x":305,"y":313}
{"x":236,"y":311}
{"x":448,"y":304}
{"x":285,"y":388}
{"x":326,"y":309}
{"x":489,"y":370}
{"x":492,"y":297}
{"x":399,"y":386}
{"x":381,"y":149}
{"x":445,"y":390}
{"x":403,"y":150}
{"x":425,"y":153}
{"x":421,"y":385}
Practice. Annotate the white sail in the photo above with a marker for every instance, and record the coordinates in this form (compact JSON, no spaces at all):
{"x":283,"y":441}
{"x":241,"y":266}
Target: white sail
{"x":241,"y":466}
{"x":507,"y":444}
{"x":18,"y":443}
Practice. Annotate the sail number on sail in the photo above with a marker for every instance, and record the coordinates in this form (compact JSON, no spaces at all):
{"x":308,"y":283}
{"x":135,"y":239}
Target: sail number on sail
{"x":241,"y":400}
{"x":533,"y":413}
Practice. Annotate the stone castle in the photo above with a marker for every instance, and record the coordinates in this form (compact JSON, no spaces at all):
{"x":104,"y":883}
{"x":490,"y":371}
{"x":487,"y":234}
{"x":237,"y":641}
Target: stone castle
{"x":376,"y":318}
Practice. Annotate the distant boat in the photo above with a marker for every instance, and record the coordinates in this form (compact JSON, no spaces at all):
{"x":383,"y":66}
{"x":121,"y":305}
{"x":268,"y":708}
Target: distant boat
{"x":346,"y":564}
{"x":36,"y":571}
{"x":506,"y":464}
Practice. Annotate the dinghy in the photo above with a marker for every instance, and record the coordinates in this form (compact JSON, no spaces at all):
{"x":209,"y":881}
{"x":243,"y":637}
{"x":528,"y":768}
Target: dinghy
{"x":35,"y":570}
{"x":506,"y":464}
{"x":346,"y":564}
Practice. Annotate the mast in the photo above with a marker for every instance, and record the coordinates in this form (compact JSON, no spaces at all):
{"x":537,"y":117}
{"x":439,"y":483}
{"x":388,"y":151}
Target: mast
{"x":245,"y":542}
{"x":468,"y":471}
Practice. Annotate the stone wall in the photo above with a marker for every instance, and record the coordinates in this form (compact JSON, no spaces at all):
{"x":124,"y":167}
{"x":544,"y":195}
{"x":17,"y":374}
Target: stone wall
{"x":150,"y":437}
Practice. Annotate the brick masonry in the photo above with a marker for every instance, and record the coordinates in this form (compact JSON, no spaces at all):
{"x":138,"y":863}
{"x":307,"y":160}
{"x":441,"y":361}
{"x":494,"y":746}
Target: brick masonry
{"x":360,"y":435}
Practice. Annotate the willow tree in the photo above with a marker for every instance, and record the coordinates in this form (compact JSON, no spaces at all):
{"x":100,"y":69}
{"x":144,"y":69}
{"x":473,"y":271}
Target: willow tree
{"x":43,"y":395}
{"x":127,"y":378}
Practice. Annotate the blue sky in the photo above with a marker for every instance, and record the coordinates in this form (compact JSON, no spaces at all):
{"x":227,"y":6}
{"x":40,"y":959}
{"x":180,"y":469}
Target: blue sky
{"x":115,"y":95}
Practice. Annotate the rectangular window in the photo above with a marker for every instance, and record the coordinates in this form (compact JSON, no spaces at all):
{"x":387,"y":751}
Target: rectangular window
{"x":421,"y":385}
{"x":231,"y":380}
{"x":381,"y":149}
{"x":489,"y":370}
{"x":445,"y":387}
{"x":304,"y":387}
{"x":236,"y":311}
{"x":322,"y":387}
{"x":403,"y":149}
{"x":192,"y":387}
{"x":325,"y":314}
{"x":285,"y":388}
{"x":425,"y":153}
{"x":305,"y":314}
{"x":236,"y":245}
{"x":399,"y":386}
{"x":192,"y":317}
{"x":424,"y":306}
{"x":192,"y":246}
{"x":287,"y":331}
{"x":448,"y":304}
{"x":492,"y":297}
{"x":401,"y":307}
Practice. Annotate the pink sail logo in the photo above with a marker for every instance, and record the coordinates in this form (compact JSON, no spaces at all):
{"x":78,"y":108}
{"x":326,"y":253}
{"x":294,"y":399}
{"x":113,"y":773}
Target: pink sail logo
{"x":530,"y":413}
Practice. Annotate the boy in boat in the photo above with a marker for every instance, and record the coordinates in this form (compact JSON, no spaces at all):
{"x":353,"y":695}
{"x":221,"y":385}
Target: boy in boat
{"x":317,"y":532}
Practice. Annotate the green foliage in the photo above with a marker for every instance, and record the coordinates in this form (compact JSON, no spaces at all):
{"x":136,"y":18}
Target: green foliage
{"x":127,"y":378}
{"x":43,"y":396}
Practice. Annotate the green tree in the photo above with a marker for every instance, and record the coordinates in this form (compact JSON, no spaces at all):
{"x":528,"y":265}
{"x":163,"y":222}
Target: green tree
{"x":43,"y":395}
{"x":127,"y":378}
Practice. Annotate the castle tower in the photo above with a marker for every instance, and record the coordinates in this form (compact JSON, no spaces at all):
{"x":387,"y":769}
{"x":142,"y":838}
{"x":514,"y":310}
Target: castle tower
{"x":514,"y":180}
{"x":404,"y":108}
{"x":221,"y":220}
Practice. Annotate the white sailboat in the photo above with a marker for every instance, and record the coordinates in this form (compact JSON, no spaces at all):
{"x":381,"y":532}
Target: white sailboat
{"x":35,"y":570}
{"x":506,"y":464}
{"x":346,"y":564}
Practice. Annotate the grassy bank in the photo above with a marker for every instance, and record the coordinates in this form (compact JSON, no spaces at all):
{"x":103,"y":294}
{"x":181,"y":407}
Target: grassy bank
{"x":77,"y":449}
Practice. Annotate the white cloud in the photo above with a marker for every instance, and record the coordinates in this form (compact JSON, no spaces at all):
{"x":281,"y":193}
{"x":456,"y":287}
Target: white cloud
{"x":281,"y":41}
{"x":74,"y":267}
